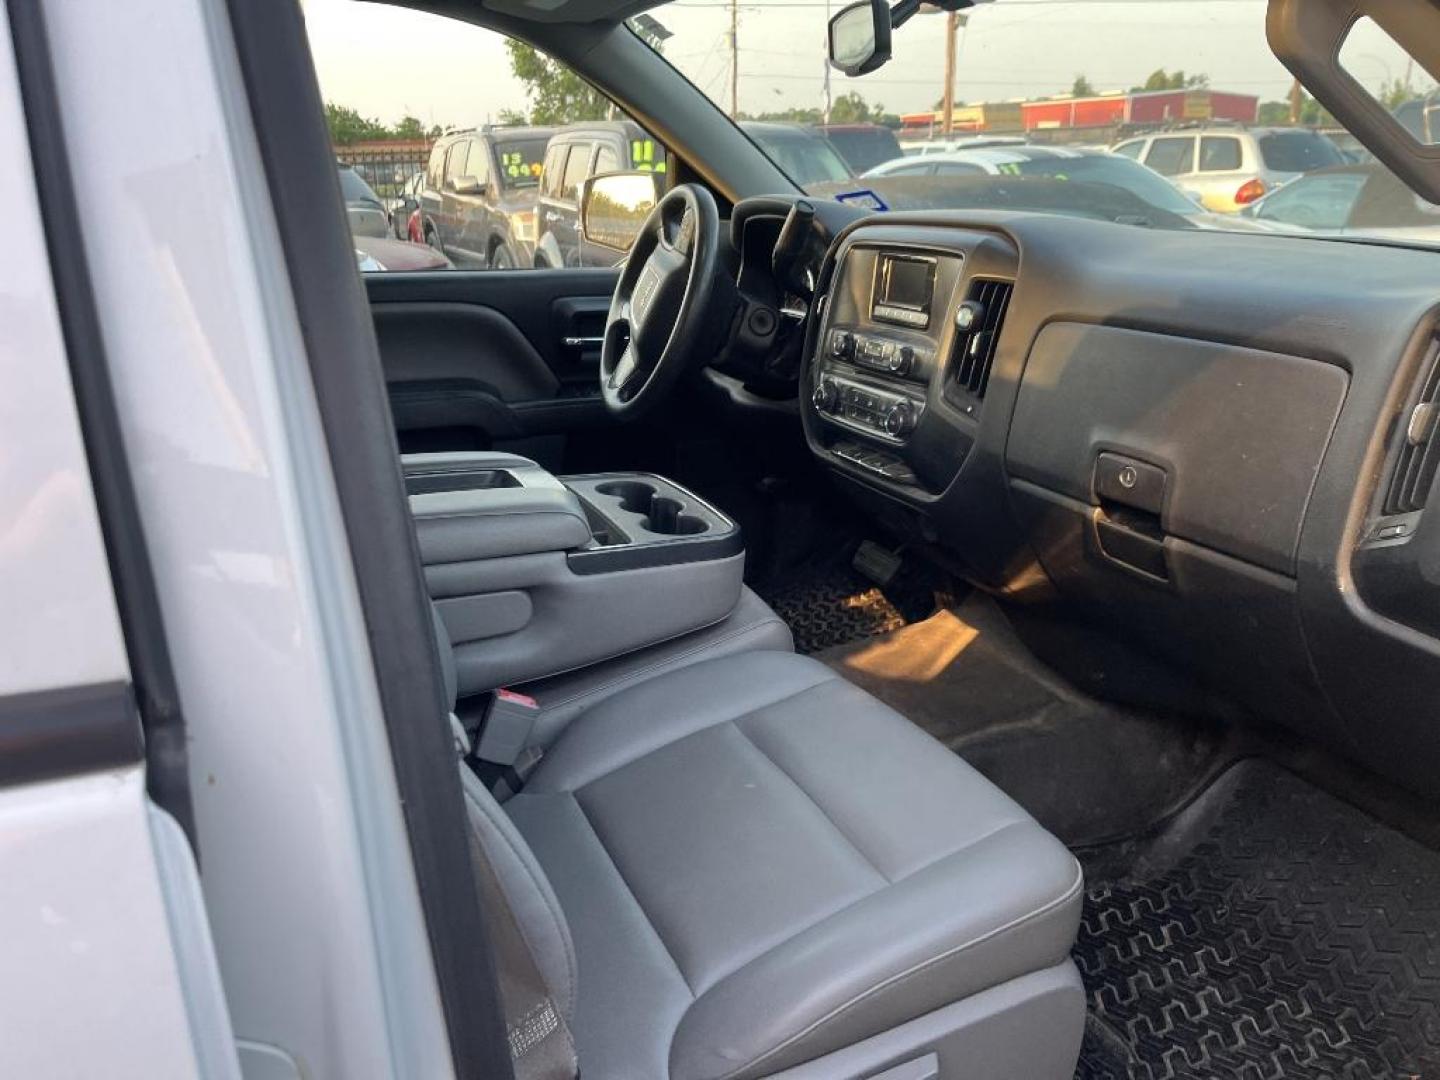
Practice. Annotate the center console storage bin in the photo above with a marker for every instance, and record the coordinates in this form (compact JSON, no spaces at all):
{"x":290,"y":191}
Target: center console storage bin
{"x":534,"y":575}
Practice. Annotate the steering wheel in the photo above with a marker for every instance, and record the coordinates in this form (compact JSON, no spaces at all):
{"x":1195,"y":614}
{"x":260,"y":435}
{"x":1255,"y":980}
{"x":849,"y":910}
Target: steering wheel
{"x":659,"y":317}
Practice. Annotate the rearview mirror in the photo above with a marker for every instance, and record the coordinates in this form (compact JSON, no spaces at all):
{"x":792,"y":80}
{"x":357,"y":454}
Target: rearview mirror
{"x":614,"y":205}
{"x":468,"y":185}
{"x":860,"y":37}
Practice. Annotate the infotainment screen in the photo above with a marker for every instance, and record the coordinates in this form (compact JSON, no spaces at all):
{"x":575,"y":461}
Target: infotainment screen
{"x":903,"y":291}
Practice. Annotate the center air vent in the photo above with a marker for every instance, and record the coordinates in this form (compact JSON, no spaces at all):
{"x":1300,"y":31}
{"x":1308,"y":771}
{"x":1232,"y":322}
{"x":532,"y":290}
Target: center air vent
{"x":979,"y":320}
{"x":1419,"y":456}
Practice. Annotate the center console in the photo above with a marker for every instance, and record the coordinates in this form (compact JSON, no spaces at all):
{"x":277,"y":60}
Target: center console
{"x":881,"y":355}
{"x":534,"y":575}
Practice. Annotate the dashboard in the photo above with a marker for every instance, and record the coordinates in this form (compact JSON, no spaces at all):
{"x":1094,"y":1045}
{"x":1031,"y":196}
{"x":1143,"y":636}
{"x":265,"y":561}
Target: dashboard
{"x":1218,"y":447}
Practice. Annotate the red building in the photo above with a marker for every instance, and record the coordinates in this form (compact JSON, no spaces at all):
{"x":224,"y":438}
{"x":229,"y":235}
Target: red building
{"x":1144,"y":107}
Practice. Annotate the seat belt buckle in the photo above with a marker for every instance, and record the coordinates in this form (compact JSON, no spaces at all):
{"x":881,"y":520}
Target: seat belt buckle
{"x":506,"y":729}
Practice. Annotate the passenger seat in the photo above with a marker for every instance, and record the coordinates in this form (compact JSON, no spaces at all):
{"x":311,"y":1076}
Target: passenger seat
{"x":749,"y":867}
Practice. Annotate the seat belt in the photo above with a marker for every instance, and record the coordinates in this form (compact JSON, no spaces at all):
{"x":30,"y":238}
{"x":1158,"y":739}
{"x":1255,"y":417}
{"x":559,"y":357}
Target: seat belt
{"x":541,"y":1046}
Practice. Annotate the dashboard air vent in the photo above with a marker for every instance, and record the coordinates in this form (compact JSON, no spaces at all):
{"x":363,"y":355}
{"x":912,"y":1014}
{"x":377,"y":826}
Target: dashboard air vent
{"x":975,"y":346}
{"x":1419,"y":456}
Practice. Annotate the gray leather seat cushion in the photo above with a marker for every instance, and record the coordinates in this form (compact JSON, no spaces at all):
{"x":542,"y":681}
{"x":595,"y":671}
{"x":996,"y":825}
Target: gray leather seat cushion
{"x":760,"y":863}
{"x":751,"y":626}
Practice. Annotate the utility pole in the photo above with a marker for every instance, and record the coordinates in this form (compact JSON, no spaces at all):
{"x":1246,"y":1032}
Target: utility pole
{"x":1295,"y":102}
{"x":825,"y":116}
{"x":947,"y":101}
{"x":734,"y":59}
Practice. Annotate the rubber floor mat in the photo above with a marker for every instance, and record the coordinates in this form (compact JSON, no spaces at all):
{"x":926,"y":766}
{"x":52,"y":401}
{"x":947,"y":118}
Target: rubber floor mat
{"x":1271,"y":931}
{"x":832,"y":606}
{"x":830,"y":603}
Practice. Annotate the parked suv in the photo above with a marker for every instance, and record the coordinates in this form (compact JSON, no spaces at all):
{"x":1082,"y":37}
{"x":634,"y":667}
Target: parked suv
{"x":577,"y":152}
{"x":1230,"y":167}
{"x":863,"y":146}
{"x":478,"y":204}
{"x":805,"y":154}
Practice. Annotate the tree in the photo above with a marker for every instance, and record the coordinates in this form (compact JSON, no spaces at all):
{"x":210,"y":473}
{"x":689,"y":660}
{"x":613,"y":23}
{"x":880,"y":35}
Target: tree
{"x":1311,"y":113}
{"x":409,"y":127}
{"x":1082,"y":87}
{"x":851,"y":108}
{"x":790,"y":116}
{"x":348,"y":126}
{"x":1394,"y":92}
{"x":1160,"y":79}
{"x":556,"y":94}
{"x":1274,"y":112}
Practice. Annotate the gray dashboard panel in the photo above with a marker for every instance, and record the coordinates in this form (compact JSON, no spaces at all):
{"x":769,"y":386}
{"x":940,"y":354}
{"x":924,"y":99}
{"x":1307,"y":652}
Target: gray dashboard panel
{"x":1239,"y":431}
{"x":1356,"y":311}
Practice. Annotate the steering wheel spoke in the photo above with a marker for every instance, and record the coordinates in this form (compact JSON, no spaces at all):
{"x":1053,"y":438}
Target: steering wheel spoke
{"x":661,"y":303}
{"x":626,"y":370}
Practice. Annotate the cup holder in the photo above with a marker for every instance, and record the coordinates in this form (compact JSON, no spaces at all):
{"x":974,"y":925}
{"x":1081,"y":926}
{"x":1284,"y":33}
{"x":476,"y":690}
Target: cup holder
{"x":666,"y":517}
{"x":634,"y":495}
{"x":663,"y":516}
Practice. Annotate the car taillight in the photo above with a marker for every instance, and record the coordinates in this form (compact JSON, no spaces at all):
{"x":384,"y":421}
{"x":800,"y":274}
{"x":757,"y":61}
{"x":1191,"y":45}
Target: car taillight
{"x":1249,"y":192}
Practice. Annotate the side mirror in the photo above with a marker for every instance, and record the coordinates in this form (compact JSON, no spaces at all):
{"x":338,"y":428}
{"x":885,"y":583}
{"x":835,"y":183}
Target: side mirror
{"x":468,"y":185}
{"x":613,"y":207}
{"x":860,"y":37}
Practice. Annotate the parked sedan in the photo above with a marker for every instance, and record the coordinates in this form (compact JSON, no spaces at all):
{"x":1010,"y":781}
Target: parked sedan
{"x":365,"y":210}
{"x":1093,"y":168}
{"x":385,"y":253}
{"x":1364,"y":200}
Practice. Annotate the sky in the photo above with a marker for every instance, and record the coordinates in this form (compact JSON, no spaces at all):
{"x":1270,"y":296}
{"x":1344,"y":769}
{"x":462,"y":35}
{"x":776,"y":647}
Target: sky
{"x":387,"y":62}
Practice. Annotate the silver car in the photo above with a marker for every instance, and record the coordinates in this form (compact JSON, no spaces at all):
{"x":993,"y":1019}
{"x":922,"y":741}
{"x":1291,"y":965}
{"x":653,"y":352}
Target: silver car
{"x":1230,"y":167}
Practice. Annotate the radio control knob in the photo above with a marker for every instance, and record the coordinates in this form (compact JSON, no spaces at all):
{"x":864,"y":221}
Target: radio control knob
{"x":902,"y":360}
{"x":900,"y":419}
{"x":842,"y":345}
{"x":824,"y":397}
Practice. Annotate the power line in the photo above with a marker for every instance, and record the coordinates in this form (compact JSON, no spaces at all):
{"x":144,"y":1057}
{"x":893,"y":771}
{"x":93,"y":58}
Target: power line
{"x":800,"y":5}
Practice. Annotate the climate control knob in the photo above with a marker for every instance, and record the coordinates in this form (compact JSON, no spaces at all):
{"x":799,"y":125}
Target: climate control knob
{"x":842,"y":345}
{"x":825,"y":397}
{"x":901,"y":361}
{"x":900,"y":419}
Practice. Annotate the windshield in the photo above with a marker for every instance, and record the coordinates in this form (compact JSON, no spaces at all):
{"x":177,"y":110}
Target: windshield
{"x":354,"y":188}
{"x":1298,"y":151}
{"x":521,"y":160}
{"x":1181,"y":115}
